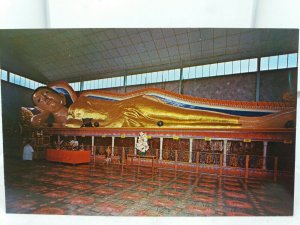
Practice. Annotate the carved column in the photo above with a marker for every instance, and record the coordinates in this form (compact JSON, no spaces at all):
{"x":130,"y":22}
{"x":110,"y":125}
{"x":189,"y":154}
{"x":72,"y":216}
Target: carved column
{"x":224,"y":152}
{"x":93,"y":143}
{"x":191,"y":150}
{"x":112,"y":145}
{"x":135,"y":141}
{"x":161,"y":147}
{"x":265,"y":155}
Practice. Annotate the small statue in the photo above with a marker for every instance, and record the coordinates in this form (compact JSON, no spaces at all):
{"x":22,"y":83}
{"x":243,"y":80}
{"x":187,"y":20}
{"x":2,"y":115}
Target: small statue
{"x":142,"y":143}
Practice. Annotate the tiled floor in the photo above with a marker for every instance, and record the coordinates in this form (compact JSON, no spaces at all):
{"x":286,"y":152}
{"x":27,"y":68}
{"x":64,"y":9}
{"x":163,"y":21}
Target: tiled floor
{"x":40,"y":187}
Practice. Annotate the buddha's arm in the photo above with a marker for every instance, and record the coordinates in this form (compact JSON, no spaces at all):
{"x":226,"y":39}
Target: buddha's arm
{"x":73,"y":123}
{"x":56,"y":125}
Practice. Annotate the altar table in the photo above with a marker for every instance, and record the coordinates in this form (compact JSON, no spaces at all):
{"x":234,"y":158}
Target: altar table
{"x":139,"y":159}
{"x":68,"y":156}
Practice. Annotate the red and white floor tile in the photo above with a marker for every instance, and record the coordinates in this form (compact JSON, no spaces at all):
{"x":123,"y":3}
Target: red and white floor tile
{"x":40,"y":187}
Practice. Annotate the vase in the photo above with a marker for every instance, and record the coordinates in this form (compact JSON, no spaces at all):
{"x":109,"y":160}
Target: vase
{"x":141,"y":153}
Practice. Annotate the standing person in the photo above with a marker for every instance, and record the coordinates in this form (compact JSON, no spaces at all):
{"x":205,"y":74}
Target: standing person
{"x":28,"y":151}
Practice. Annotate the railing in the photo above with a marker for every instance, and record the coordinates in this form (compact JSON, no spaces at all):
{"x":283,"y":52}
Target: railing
{"x":247,"y":163}
{"x":234,"y":160}
{"x":175,"y":155}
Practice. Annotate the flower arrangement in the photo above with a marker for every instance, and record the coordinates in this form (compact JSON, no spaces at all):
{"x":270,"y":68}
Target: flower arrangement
{"x":142,"y":143}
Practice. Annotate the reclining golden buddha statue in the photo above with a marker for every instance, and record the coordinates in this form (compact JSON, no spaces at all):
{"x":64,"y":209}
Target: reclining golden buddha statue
{"x":153,"y":108}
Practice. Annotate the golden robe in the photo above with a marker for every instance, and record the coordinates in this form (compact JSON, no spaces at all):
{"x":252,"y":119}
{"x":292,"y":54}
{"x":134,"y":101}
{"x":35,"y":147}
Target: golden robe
{"x":144,"y":111}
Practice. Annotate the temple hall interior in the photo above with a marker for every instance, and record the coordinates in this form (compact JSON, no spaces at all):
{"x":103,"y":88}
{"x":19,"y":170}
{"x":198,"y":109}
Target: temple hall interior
{"x":149,"y":121}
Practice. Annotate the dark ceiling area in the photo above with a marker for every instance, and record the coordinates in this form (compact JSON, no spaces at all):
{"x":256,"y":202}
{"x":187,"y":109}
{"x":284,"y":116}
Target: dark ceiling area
{"x":84,"y":54}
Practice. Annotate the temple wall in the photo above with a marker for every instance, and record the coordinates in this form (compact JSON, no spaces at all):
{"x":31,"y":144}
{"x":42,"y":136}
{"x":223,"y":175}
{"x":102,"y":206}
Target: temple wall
{"x":240,"y":87}
{"x":235,"y":87}
{"x":13,"y":98}
{"x":273,"y":84}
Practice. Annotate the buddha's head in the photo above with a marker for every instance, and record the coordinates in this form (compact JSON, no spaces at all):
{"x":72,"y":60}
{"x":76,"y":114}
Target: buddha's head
{"x":48,"y":100}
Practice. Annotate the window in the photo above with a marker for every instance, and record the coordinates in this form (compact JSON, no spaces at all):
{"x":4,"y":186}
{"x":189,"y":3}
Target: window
{"x":279,"y":62}
{"x":114,"y":82}
{"x":88,"y":85}
{"x":159,"y":77}
{"x":252,"y":65}
{"x":206,"y":71}
{"x":282,"y":61}
{"x":96,"y":84}
{"x":177,"y":74}
{"x":228,"y":68}
{"x":236,"y":67}
{"x":185,"y":73}
{"x":128,"y":80}
{"x":220,"y":69}
{"x":149,"y":78}
{"x":22,"y":81}
{"x":154,"y":77}
{"x":118,"y":81}
{"x":133,"y":80}
{"x":199,"y":70}
{"x":138,"y":79}
{"x":109,"y":81}
{"x":273,"y":62}
{"x":171,"y":75}
{"x":3,"y":75}
{"x":163,"y":75}
{"x":17,"y":79}
{"x":213,"y":69}
{"x":245,"y":66}
{"x":84,"y":86}
{"x":292,"y":60}
{"x":27,"y":83}
{"x":92,"y":84}
{"x":192,"y":73}
{"x":12,"y":78}
{"x":31,"y":84}
{"x":104,"y":83}
{"x":101,"y":83}
{"x":264,"y":63}
{"x":143,"y":78}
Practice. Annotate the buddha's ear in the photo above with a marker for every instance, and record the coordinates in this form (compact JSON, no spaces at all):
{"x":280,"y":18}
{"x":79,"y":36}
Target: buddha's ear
{"x":63,"y":97}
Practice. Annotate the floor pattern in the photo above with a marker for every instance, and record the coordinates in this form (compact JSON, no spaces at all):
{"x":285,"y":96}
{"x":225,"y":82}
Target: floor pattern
{"x":40,"y":187}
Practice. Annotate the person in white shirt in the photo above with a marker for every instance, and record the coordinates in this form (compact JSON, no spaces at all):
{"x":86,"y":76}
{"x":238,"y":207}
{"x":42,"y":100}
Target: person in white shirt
{"x":28,"y":151}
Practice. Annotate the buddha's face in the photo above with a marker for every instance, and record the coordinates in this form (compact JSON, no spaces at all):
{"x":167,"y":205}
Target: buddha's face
{"x":48,"y":100}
